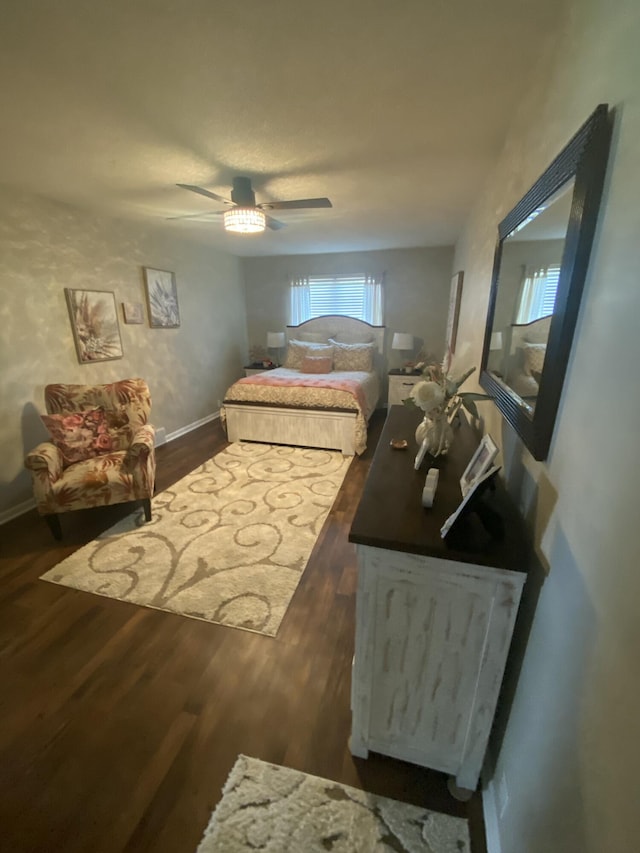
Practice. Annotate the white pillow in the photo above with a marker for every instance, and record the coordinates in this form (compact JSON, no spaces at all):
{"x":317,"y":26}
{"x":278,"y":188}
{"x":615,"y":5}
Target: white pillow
{"x":354,"y":337}
{"x":297,"y":351}
{"x":312,"y":337}
{"x":352,"y":356}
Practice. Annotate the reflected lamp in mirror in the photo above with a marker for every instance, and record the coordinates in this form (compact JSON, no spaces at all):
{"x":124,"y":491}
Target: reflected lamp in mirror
{"x":540,"y":264}
{"x":496,"y":340}
{"x":276,"y":341}
{"x":404,"y":342}
{"x":496,"y":352}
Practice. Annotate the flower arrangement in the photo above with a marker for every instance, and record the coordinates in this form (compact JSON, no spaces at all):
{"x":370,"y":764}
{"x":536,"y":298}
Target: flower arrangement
{"x":438,"y":392}
{"x":257,"y":353}
{"x":439,"y":397}
{"x":259,"y":356}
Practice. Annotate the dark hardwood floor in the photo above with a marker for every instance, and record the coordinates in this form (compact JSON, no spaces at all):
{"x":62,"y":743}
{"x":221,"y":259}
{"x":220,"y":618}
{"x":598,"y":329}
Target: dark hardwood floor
{"x":119,"y":724}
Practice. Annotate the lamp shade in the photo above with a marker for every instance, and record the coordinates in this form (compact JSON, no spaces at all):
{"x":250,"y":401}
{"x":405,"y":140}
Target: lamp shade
{"x":244,"y":220}
{"x":275,"y":340}
{"x":401,"y":340}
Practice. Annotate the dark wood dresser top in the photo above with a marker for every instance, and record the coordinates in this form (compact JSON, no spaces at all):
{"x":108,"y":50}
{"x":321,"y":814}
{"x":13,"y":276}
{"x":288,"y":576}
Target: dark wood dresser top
{"x":390,"y":514}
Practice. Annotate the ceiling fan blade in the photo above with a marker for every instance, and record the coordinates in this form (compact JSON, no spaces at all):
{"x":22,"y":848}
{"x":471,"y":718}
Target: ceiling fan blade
{"x":204,"y":192}
{"x":272,"y":223}
{"x":296,"y":204}
{"x":196,"y":215}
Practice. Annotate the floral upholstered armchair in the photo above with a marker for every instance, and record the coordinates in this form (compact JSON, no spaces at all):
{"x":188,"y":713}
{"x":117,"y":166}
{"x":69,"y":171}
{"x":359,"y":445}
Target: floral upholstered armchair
{"x":101,"y":450}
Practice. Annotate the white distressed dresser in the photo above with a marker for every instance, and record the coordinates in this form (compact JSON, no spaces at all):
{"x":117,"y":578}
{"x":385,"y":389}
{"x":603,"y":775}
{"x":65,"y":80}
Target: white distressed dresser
{"x":434,"y":618}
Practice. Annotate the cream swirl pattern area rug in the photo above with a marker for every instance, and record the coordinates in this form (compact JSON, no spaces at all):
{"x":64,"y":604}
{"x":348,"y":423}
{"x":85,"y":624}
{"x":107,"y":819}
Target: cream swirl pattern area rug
{"x":227,"y":544}
{"x":277,"y":810}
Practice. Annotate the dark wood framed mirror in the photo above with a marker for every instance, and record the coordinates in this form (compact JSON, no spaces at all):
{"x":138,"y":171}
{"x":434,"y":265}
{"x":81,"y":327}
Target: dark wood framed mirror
{"x":540,"y":264}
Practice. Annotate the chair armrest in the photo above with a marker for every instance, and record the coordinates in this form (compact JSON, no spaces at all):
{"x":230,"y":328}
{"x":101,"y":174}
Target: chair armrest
{"x":45,"y":458}
{"x":142,"y":443}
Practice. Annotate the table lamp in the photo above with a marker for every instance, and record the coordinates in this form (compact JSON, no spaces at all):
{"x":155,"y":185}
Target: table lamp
{"x":402,"y":341}
{"x":276,"y":340}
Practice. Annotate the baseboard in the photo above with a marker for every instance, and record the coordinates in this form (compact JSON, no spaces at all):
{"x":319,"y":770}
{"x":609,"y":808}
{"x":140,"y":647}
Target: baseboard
{"x":28,"y":505}
{"x":15,"y":511}
{"x":184,"y":430}
{"x":491,"y":822}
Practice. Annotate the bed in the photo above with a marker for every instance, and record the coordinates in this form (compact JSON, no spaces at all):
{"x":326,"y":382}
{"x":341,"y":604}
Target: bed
{"x":314,"y":400}
{"x":518,"y":365}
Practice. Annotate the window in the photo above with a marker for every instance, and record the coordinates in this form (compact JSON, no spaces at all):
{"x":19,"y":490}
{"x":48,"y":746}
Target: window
{"x":538,"y":295}
{"x":358,"y":296}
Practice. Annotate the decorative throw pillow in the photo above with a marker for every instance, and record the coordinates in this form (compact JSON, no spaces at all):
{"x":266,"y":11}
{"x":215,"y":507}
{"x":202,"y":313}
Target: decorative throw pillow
{"x":117,"y":417}
{"x":352,"y":356}
{"x":298,"y":349}
{"x":534,"y":359}
{"x":316,"y":364}
{"x":80,"y":435}
{"x":525,"y":386}
{"x":120,"y":429}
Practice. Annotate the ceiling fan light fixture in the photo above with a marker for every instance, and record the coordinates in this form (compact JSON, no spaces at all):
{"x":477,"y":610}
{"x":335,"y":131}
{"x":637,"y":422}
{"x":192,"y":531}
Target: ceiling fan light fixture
{"x":244,"y":220}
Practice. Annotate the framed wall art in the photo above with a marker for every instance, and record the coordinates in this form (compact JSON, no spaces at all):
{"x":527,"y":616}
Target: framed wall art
{"x":455,"y":295}
{"x":162,"y":298}
{"x":94,"y":322}
{"x":133,"y":312}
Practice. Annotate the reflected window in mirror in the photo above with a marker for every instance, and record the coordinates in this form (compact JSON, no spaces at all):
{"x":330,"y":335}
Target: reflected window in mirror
{"x":539,"y":270}
{"x":528,"y":282}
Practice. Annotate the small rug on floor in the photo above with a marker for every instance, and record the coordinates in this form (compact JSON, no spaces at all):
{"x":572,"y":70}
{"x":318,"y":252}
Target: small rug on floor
{"x":274,"y":809}
{"x":227,"y":544}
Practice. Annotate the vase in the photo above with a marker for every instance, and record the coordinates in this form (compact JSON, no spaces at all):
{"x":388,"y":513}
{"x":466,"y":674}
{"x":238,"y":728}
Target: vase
{"x":437,"y":432}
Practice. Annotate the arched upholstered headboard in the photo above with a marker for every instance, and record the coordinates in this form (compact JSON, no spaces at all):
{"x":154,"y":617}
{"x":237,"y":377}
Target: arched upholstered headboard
{"x":347,"y":330}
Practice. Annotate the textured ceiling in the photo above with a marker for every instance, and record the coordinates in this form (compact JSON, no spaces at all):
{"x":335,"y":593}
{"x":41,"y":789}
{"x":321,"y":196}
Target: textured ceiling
{"x":394,"y":110}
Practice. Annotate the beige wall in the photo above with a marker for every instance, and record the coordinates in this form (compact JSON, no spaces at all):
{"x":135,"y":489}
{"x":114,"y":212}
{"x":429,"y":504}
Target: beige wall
{"x":416,"y":291}
{"x":571,"y":747}
{"x":45,"y":247}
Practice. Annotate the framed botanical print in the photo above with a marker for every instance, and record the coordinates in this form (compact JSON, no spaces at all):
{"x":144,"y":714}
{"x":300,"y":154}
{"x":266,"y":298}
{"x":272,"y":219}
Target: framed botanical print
{"x":133,"y":312}
{"x":162,"y":298}
{"x":94,"y":322}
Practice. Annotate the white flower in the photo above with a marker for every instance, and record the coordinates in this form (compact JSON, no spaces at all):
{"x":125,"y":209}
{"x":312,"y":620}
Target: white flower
{"x":427,"y":396}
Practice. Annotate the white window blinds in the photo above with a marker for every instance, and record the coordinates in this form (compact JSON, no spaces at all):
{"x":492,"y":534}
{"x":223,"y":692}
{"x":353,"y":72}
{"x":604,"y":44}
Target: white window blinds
{"x":538,"y":294}
{"x":358,"y":296}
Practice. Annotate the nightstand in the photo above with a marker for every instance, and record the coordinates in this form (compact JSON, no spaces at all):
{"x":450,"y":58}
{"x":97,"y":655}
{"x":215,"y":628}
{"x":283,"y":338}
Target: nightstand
{"x":400,"y":385}
{"x":251,"y":370}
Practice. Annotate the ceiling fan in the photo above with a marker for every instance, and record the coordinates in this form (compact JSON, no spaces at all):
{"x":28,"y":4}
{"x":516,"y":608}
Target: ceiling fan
{"x":244,"y":216}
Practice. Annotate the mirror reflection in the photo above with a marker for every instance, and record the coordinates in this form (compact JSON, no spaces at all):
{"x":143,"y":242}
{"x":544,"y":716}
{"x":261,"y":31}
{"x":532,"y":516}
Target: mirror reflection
{"x":528,"y":278}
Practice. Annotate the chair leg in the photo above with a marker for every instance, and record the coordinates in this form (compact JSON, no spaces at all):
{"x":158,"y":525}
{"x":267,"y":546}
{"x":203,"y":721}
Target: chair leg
{"x":54,"y":526}
{"x":146,"y":503}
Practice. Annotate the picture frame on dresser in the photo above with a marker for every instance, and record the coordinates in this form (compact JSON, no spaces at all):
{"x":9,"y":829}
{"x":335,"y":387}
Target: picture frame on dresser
{"x":470,"y":501}
{"x":479,"y":463}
